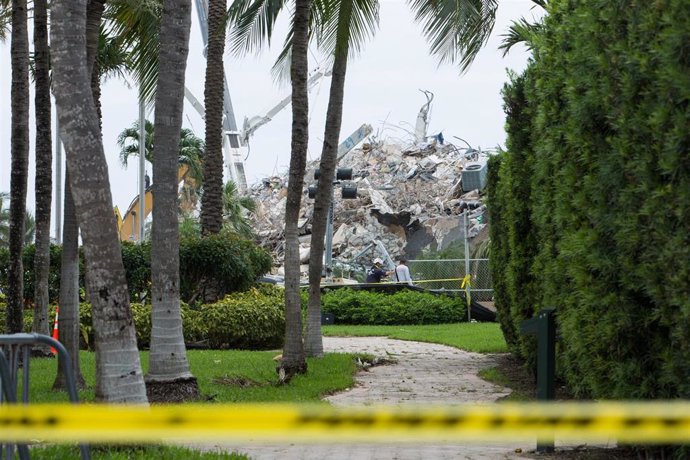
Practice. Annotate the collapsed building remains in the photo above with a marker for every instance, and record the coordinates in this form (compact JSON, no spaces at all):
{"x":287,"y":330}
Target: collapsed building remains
{"x":408,"y":198}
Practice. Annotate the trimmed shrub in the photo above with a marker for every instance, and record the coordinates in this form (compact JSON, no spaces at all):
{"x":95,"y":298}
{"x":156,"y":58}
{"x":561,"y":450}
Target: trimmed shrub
{"x":251,"y":320}
{"x":404,"y":307}
{"x":591,"y":208}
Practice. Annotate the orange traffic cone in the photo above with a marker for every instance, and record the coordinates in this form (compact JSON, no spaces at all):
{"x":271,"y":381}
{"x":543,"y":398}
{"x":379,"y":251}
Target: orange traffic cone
{"x":55,"y":328}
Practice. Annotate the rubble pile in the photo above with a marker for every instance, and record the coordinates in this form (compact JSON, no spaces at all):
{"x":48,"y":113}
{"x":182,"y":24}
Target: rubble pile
{"x":409,"y":199}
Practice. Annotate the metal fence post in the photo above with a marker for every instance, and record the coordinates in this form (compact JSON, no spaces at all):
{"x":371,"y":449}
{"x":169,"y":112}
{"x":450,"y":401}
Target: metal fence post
{"x":544,"y":327}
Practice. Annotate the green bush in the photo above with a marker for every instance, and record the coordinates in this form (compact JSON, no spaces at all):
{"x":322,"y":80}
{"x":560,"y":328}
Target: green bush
{"x":251,"y":320}
{"x":592,"y":204}
{"x":216,"y":265}
{"x":404,"y":307}
{"x":136,"y":257}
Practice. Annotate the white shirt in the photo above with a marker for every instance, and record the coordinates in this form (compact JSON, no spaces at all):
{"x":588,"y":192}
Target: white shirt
{"x":402,"y":274}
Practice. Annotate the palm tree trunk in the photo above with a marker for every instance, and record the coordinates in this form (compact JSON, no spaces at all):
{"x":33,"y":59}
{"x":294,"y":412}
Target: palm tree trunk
{"x":212,"y":199}
{"x":118,"y":370}
{"x":20,"y":164}
{"x":293,"y":361}
{"x":69,"y":322}
{"x":44,"y":169}
{"x":168,"y":379}
{"x":69,"y":290}
{"x":324,"y":195}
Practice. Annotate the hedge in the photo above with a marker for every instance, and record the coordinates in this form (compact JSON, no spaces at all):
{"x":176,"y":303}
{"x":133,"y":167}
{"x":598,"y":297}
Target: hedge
{"x":249,"y":320}
{"x":221,"y":264}
{"x":590,"y":205}
{"x":405,"y":307}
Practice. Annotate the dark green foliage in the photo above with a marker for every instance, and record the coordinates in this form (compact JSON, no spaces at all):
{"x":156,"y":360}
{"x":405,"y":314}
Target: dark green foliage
{"x":136,"y":258}
{"x":592,"y":206}
{"x":221,"y":263}
{"x":30,"y":277}
{"x":404,"y":307}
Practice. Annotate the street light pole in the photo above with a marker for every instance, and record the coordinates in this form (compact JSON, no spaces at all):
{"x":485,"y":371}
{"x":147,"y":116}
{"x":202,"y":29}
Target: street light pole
{"x":142,"y":165}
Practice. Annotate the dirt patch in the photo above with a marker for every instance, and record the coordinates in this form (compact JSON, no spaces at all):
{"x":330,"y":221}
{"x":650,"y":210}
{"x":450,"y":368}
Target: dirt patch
{"x":239,"y":381}
{"x":177,"y":391}
{"x":514,"y":374}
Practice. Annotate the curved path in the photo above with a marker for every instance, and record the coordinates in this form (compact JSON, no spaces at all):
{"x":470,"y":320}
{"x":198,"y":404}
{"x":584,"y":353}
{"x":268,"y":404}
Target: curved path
{"x":423,"y":373}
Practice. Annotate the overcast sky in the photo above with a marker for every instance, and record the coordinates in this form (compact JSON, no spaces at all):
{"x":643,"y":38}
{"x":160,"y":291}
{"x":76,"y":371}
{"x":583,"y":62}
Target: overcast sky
{"x":382,"y":89}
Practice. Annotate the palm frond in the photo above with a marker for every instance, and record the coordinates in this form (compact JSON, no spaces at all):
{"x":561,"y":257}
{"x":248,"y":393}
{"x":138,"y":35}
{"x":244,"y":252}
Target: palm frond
{"x":252,"y":23}
{"x":456,"y":29}
{"x":346,"y":25}
{"x":520,"y":31}
{"x":137,"y":24}
{"x":113,"y":58}
{"x":5,"y":19}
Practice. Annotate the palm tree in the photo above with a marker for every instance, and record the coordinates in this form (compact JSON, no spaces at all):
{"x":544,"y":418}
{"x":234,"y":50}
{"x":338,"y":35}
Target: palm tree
{"x":29,"y":224}
{"x":169,"y":377}
{"x":44,"y":168}
{"x":191,"y":152}
{"x":190,"y":148}
{"x":294,"y":361}
{"x":118,"y":370}
{"x":212,"y":199}
{"x":128,"y":141}
{"x":235,"y":209}
{"x":20,"y":164}
{"x":346,"y":23}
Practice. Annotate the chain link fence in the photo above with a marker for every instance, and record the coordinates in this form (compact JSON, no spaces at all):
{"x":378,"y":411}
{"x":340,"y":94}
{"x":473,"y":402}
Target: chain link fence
{"x":448,"y":274}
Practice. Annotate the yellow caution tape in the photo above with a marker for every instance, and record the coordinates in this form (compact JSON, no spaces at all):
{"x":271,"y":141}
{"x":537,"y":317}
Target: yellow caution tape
{"x":466,"y":285}
{"x":658,"y":422}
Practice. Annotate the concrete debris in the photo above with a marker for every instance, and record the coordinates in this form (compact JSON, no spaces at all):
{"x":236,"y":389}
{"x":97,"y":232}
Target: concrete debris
{"x":409,"y":198}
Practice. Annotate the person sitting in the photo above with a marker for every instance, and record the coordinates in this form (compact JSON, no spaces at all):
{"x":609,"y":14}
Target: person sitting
{"x":402,"y":272}
{"x":376,"y":273}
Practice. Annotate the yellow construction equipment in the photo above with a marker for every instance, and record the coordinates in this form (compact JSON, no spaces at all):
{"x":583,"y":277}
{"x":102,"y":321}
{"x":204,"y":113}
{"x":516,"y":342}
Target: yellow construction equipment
{"x":128,"y":225}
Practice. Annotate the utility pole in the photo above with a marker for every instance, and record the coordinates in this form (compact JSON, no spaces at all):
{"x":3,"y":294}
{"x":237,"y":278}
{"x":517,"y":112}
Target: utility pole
{"x":467,"y":258}
{"x":58,"y":183}
{"x":142,"y":165}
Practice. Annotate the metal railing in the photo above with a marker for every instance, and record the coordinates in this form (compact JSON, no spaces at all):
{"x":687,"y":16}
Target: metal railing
{"x":15,"y":354}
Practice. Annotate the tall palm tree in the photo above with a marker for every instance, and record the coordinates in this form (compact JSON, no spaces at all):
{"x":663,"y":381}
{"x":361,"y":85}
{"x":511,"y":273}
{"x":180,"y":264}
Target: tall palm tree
{"x":235,"y":210}
{"x":118,"y":369}
{"x":212,"y":199}
{"x":169,"y":377}
{"x":294,"y":361}
{"x":44,"y":168}
{"x":69,"y":265}
{"x":20,"y":164}
{"x":346,"y":24}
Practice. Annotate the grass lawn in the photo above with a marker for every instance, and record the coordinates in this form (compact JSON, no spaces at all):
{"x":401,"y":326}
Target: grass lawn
{"x":477,"y":337}
{"x":224,"y":376}
{"x":130,"y":453}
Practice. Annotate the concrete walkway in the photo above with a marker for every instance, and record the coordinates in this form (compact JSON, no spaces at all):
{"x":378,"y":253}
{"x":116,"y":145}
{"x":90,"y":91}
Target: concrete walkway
{"x":425,"y":374}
